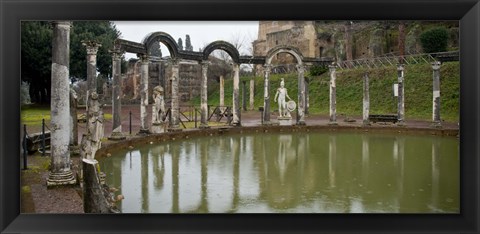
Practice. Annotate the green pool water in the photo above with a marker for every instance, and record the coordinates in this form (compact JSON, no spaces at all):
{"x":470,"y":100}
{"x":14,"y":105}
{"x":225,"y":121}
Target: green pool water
{"x":296,"y":172}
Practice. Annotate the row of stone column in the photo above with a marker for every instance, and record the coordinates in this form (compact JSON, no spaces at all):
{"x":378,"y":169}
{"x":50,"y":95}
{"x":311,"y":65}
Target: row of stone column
{"x":366,"y":98}
{"x":175,"y":107}
{"x":436,"y":121}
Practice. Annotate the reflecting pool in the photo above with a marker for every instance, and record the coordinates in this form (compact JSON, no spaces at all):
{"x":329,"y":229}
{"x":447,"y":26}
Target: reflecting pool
{"x":295,"y":172}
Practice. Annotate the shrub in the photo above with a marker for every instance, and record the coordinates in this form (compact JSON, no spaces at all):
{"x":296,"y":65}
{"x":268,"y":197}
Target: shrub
{"x":434,"y":40}
{"x":317,"y":70}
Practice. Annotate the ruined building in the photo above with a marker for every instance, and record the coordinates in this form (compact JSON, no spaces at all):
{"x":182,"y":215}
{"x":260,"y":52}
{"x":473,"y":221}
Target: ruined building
{"x":345,"y":40}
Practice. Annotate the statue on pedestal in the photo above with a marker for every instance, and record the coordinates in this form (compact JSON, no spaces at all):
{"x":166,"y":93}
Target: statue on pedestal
{"x":92,"y":141}
{"x":159,"y":106}
{"x":281,"y":94}
{"x":158,"y":110}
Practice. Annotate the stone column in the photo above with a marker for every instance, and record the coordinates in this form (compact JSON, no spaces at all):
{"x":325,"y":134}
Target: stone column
{"x":73,"y":121}
{"x":144,"y":128}
{"x":266,"y":95}
{"x":366,"y":100}
{"x":437,"y":122}
{"x":175,"y":105}
{"x":401,"y":98}
{"x":301,"y":95}
{"x":117,"y":133}
{"x":244,"y":95}
{"x":204,"y":96}
{"x":92,"y":49}
{"x":60,"y":172}
{"x":252,"y":93}
{"x":307,"y":95}
{"x":222,"y":91}
{"x":236,"y":95}
{"x":333,"y":95}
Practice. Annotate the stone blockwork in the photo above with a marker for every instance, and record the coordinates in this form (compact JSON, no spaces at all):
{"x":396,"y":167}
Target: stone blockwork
{"x":159,"y":73}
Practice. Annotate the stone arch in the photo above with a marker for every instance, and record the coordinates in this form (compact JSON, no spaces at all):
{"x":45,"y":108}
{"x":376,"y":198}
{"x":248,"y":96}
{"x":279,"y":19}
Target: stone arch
{"x":162,"y":37}
{"x":222,"y":45}
{"x":284,"y":49}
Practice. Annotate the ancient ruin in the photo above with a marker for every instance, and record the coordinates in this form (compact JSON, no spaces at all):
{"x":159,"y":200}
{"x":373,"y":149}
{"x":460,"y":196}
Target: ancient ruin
{"x":180,"y":57}
{"x":166,"y":117}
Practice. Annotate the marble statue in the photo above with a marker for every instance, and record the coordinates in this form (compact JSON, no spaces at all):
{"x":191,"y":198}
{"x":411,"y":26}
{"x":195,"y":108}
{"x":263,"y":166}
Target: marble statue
{"x":159,"y":106}
{"x":281,"y":94}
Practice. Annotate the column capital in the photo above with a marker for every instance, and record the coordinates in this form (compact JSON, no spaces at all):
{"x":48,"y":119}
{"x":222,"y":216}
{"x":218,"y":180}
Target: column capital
{"x":175,"y":61}
{"x":143,"y":58}
{"x":332,"y":66}
{"x":116,"y":54}
{"x":62,"y":23}
{"x":300,"y":67}
{"x":92,"y":46}
{"x":205,"y":63}
{"x":436,"y":65}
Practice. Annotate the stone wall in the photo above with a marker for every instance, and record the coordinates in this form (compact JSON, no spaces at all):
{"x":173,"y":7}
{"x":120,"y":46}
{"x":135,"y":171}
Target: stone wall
{"x":159,"y":74}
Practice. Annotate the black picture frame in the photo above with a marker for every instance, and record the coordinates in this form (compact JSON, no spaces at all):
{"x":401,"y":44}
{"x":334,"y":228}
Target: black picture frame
{"x":12,"y":12}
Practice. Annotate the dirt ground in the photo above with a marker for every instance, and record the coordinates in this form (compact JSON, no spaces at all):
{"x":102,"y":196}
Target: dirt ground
{"x":36,"y":198}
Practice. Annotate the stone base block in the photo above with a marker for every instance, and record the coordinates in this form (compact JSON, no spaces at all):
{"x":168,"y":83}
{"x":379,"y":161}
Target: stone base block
{"x":158,"y":128}
{"x":117,"y":136}
{"x":177,"y":129}
{"x":333,"y":123}
{"x":60,"y":179}
{"x":143,"y":132}
{"x":204,"y":126}
{"x":285,"y":121}
{"x":436,"y":125}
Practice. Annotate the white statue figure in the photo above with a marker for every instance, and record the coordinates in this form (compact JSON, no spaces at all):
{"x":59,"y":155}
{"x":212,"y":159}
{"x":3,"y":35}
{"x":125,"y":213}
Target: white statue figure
{"x":282,"y":104}
{"x":95,"y":118}
{"x":95,"y":126}
{"x":159,"y":106}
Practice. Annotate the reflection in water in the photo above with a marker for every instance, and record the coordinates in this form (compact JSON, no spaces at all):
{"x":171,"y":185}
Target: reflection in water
{"x":295,"y":172}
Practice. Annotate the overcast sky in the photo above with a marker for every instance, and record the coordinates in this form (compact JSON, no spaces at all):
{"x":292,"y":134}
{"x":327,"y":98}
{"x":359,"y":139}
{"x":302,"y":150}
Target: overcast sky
{"x":201,"y":32}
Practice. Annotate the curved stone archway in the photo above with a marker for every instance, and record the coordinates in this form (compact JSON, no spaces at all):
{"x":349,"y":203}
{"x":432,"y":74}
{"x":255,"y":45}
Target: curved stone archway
{"x":301,"y":82}
{"x":177,"y":56}
{"x":222,"y":45}
{"x":284,"y":49}
{"x":233,"y":52}
{"x":163,"y":37}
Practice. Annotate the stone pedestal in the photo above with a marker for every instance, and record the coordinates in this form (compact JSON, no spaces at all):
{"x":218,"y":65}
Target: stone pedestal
{"x":285,"y":121}
{"x":117,"y":134}
{"x":204,"y":126}
{"x":174,"y":129}
{"x":143,"y":132}
{"x":158,"y":128}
